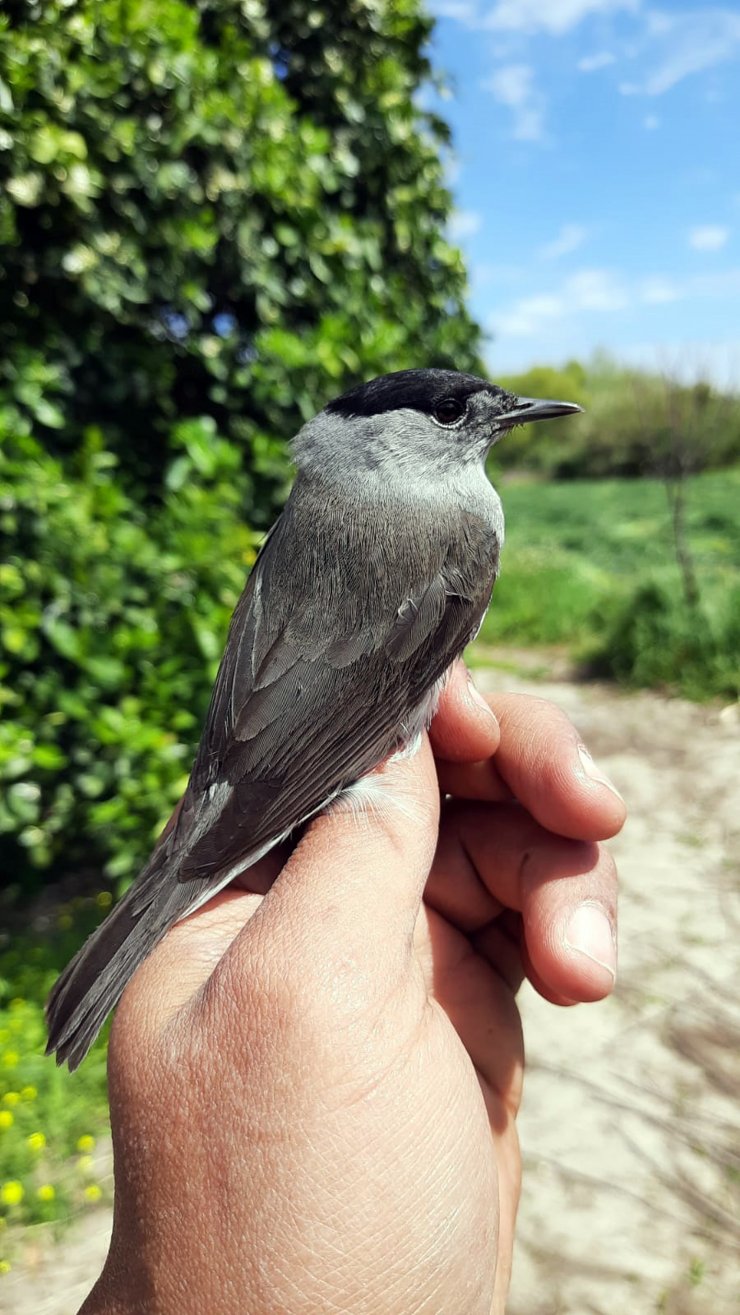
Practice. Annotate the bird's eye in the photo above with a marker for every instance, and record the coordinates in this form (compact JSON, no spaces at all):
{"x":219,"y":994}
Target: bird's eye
{"x":448,"y":410}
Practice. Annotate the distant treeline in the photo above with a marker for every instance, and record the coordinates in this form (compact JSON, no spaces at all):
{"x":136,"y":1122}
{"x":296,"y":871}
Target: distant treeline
{"x":635,"y":423}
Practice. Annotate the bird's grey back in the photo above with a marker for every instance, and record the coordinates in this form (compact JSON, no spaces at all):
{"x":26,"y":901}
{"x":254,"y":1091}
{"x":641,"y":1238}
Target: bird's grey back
{"x":356,"y":608}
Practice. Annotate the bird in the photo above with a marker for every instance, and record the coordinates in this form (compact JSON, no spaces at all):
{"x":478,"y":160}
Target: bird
{"x":371,"y":582}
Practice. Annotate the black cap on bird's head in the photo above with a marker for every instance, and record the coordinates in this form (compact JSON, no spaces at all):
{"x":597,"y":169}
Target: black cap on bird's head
{"x":445,"y":395}
{"x":418,"y":390}
{"x":404,"y":418}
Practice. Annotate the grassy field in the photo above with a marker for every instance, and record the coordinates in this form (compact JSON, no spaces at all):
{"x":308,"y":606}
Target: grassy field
{"x":590,"y":565}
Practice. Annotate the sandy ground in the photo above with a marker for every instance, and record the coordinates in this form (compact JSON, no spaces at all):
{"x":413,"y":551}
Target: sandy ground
{"x":631,"y":1122}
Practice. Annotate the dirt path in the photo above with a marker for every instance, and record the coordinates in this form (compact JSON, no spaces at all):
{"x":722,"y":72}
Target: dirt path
{"x":631,"y":1121}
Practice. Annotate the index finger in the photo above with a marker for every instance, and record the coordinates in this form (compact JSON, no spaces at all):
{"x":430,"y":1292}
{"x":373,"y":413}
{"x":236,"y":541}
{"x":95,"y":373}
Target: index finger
{"x":464,"y":729}
{"x":542,"y":763}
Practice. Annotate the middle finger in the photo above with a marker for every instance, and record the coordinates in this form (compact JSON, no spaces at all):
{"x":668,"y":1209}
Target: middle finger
{"x":496,"y":857}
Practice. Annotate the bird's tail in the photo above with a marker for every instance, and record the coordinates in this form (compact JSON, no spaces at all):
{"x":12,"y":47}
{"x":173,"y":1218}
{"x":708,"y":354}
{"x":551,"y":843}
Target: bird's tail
{"x":94,"y":981}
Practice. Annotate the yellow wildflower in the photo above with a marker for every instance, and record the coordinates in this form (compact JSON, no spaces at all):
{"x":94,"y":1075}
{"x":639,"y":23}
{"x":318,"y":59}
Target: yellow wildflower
{"x":36,"y":1141}
{"x":104,"y":899}
{"x":6,"y":1119}
{"x":85,"y":1164}
{"x":11,"y":1098}
{"x":11,"y":1193}
{"x":28,"y":1093}
{"x":4,"y":1266}
{"x":86,"y":1143}
{"x":46,"y":1192}
{"x":10,"y":1058}
{"x":93,"y":1192}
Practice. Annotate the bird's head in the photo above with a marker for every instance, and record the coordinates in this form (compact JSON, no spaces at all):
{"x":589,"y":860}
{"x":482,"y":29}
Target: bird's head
{"x":427,"y":421}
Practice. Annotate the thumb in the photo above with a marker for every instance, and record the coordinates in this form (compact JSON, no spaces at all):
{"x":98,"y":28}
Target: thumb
{"x":351,"y":890}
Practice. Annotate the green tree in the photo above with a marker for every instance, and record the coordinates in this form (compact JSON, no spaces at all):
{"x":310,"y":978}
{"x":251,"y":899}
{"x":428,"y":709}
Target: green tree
{"x":222,"y":208}
{"x":636,"y":422}
{"x":546,"y":446}
{"x":112,"y":622}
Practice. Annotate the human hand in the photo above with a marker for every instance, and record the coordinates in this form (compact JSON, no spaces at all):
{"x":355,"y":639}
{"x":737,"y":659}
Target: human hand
{"x":313,"y":1091}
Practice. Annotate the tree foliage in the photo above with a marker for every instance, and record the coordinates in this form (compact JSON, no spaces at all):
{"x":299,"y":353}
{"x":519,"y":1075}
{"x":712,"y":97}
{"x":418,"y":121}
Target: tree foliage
{"x":112,"y":621}
{"x":636,"y":422}
{"x":214,"y":214}
{"x":225,"y":208}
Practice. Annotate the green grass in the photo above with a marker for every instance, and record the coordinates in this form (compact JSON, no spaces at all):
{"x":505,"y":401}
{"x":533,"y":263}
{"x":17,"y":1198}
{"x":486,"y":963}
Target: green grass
{"x":590,"y":565}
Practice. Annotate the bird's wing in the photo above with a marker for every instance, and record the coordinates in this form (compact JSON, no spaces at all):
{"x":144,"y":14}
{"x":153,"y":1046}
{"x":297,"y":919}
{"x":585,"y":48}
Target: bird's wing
{"x":306,"y":704}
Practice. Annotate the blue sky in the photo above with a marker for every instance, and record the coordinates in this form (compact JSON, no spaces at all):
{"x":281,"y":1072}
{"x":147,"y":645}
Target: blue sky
{"x":597,"y":177}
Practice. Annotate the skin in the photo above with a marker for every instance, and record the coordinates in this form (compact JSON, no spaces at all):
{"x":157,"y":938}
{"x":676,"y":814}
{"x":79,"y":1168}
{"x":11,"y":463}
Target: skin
{"x":314,"y":1091}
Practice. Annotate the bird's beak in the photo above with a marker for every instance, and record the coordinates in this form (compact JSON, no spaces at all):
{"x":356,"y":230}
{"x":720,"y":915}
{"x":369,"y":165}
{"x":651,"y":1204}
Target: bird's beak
{"x":536,"y":408}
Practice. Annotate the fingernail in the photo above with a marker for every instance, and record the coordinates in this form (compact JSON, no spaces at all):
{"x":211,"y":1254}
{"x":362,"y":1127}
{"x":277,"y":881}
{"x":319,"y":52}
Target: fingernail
{"x":595,"y":773}
{"x":477,"y":699}
{"x":589,"y":932}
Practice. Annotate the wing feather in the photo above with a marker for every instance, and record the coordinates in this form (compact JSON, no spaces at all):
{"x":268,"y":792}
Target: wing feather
{"x":311,"y":697}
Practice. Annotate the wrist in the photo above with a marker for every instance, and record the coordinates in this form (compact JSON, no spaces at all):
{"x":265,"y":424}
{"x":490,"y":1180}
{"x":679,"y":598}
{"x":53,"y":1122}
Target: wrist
{"x":117,"y":1293}
{"x":103,"y":1302}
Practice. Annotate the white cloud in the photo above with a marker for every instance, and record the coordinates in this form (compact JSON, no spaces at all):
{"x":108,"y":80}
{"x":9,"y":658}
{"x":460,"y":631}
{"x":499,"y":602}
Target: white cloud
{"x":587,"y":290}
{"x":596,"y":289}
{"x":526,"y":317}
{"x":602,"y":291}
{"x":708,"y":237}
{"x":553,"y":16}
{"x":527,"y":16}
{"x":592,"y":63}
{"x":687,"y":43}
{"x":514,"y":86}
{"x":659,"y":291}
{"x":570,"y":238}
{"x":690,"y":362}
{"x":464,"y":223}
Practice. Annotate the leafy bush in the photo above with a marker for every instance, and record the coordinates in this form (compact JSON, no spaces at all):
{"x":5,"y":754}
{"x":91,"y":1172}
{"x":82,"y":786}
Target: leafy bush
{"x":112,"y":622}
{"x":651,"y":639}
{"x":209,"y":210}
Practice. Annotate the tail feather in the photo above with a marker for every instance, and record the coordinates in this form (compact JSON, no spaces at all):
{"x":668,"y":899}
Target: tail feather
{"x":94,"y":981}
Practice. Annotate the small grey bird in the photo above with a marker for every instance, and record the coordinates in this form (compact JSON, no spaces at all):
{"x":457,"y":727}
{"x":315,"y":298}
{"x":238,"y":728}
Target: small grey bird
{"x":369,"y":585}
